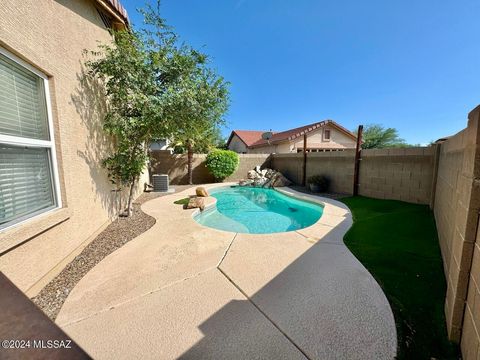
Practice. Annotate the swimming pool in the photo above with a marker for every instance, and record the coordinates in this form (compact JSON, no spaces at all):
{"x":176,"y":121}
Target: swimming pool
{"x":258,"y":211}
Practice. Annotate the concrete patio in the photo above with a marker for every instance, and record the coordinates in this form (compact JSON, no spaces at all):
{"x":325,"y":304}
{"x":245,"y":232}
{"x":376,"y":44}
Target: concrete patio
{"x":181,"y":290}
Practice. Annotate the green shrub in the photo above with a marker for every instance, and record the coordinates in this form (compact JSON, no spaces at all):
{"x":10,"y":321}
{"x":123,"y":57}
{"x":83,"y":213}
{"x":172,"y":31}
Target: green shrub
{"x":321,"y":181}
{"x":222,"y":163}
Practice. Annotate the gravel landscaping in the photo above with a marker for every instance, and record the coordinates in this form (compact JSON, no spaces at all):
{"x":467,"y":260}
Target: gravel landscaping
{"x":118,"y":233}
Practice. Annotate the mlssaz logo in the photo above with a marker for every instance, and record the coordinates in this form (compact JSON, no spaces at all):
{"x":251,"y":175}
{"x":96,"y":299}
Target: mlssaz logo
{"x":52,"y":344}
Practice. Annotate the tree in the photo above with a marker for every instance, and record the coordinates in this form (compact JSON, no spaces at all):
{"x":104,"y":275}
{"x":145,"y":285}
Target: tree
{"x":155,"y":88}
{"x":135,"y":75}
{"x":213,"y":140}
{"x":377,"y":137}
{"x":198,"y":104}
{"x":195,"y":97}
{"x":130,"y":88}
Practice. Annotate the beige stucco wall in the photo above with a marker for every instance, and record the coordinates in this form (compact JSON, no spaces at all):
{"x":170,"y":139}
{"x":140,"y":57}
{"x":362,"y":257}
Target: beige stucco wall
{"x":176,"y":167}
{"x":338,"y":139}
{"x":237,"y":145}
{"x":51,"y":36}
{"x":280,"y":148}
{"x":456,"y":208}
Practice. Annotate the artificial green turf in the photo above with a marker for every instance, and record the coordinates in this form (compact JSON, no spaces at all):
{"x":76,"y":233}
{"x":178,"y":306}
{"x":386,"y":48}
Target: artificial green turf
{"x":397,"y":242}
{"x":182,"y":201}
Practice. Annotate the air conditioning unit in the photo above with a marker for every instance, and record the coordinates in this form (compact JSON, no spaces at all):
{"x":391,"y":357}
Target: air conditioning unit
{"x":160,"y":183}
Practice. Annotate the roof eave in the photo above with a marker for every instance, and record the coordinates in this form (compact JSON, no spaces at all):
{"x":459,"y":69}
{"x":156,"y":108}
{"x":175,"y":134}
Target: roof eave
{"x":238,"y":136}
{"x":114,"y":8}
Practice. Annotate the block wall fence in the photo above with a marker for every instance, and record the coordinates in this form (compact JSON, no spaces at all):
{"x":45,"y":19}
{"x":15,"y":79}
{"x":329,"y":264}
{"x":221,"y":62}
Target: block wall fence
{"x":456,"y":206}
{"x":445,"y":176}
{"x":176,"y":167}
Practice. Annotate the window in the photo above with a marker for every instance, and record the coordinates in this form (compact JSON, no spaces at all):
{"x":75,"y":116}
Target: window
{"x":326,"y":135}
{"x":28,"y":172}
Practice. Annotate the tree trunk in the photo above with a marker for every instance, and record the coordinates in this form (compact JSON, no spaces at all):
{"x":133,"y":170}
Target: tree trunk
{"x":189,"y":162}
{"x":130,"y":198}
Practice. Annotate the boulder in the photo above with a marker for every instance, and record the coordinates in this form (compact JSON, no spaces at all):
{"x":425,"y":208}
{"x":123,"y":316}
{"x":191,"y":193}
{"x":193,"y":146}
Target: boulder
{"x":265,"y":178}
{"x":270,"y":173}
{"x":280,"y":181}
{"x":201,"y":191}
{"x":245,"y":182}
{"x":252,"y":174}
{"x":259,"y":182}
{"x":196,"y":202}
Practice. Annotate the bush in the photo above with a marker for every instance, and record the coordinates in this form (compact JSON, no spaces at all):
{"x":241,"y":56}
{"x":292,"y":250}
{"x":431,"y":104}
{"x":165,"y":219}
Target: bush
{"x":321,"y":181}
{"x":222,"y":163}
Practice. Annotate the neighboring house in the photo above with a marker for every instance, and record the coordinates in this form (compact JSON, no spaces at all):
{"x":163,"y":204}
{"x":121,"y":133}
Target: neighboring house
{"x":54,"y":194}
{"x":325,"y":135}
{"x":161,"y":145}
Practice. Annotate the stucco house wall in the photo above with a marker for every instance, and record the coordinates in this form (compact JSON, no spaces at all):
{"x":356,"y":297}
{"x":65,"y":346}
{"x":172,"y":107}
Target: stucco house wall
{"x":237,"y":145}
{"x":315,"y":139}
{"x":338,"y":140}
{"x":280,"y":148}
{"x":50,"y":35}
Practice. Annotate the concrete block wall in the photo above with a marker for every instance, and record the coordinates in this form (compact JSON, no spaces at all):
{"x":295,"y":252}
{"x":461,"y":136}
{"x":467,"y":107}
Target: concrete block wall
{"x":456,"y":209}
{"x":470,"y":340}
{"x":290,"y":165}
{"x":397,"y":174}
{"x":338,"y":166}
{"x":175,"y":165}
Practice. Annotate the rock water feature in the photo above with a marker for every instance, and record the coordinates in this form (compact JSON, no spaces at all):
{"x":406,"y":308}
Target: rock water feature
{"x":266,"y":178}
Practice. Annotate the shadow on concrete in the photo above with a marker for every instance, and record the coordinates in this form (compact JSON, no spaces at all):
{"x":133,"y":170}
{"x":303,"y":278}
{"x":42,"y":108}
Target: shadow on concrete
{"x":324,"y":303}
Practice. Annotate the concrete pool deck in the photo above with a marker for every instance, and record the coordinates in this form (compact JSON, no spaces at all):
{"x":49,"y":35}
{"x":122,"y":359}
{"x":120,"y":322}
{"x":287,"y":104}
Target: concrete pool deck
{"x":181,"y":290}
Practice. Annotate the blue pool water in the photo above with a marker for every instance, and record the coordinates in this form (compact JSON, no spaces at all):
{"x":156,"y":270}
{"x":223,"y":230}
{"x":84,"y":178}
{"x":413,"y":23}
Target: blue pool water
{"x":258,"y":211}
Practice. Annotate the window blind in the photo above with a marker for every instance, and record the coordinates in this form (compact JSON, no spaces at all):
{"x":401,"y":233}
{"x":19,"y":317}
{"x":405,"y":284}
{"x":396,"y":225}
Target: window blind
{"x":22,"y":102}
{"x":25,"y":182}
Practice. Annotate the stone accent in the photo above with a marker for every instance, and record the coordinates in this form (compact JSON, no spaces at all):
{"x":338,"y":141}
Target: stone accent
{"x":196,"y":202}
{"x":266,"y":178}
{"x":201,"y":191}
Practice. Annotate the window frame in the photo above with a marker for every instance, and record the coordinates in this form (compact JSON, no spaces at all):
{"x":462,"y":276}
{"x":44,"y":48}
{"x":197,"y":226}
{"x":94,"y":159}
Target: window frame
{"x":36,"y":143}
{"x":329,"y":135}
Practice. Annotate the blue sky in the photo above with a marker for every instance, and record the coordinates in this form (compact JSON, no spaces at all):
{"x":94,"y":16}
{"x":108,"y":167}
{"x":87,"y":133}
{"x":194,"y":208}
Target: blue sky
{"x":412,"y":64}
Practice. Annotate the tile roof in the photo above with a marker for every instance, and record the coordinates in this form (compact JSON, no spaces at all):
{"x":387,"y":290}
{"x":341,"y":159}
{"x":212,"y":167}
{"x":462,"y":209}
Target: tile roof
{"x":253,"y":138}
{"x":249,"y":137}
